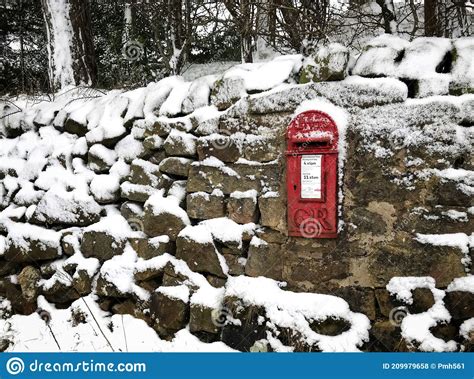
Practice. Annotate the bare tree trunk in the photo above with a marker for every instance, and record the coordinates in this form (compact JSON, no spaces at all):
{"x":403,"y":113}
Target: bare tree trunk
{"x":388,"y":15}
{"x":246,"y":31}
{"x":272,"y":22}
{"x":243,"y":15}
{"x":84,"y":61}
{"x":180,"y":33}
{"x":431,"y":18}
{"x":265,"y":31}
{"x":415,"y":19}
{"x":290,"y":23}
{"x":22,"y":49}
{"x":70,"y":45}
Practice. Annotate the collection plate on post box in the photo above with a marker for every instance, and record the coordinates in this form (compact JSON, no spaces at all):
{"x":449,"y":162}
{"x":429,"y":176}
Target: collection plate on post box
{"x":311,"y":176}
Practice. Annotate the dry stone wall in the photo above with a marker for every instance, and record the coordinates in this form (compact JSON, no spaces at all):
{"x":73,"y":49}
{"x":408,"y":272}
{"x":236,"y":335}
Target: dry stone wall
{"x":396,"y":187}
{"x":164,"y":215}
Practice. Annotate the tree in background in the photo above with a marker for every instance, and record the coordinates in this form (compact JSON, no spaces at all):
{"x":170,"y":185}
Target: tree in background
{"x":70,"y":45}
{"x":243,"y":13}
{"x":128,"y":43}
{"x":445,"y":18}
{"x":22,"y":47}
{"x":303,"y":22}
{"x":174,"y":31}
{"x":388,"y":15}
{"x":432,"y":27}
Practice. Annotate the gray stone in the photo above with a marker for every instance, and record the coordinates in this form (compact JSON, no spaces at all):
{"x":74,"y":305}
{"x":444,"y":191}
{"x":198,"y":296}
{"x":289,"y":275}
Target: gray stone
{"x":34,"y":244}
{"x":163,"y":222}
{"x":73,"y":211}
{"x":150,"y":273}
{"x":148,"y":248}
{"x":170,"y":314}
{"x":261,"y":149}
{"x":313,"y":265}
{"x":203,"y":206}
{"x":175,"y":166}
{"x":326,"y":64}
{"x":462,"y":63}
{"x":69,"y":242}
{"x":101,"y":245}
{"x":241,"y":336}
{"x":340,"y":93}
{"x":220,"y":146}
{"x":460,"y":304}
{"x":405,"y":257}
{"x":131,"y":210}
{"x":216,"y":281}
{"x":198,"y":95}
{"x":273,"y":212}
{"x":180,"y":144}
{"x":101,"y":158}
{"x":7,"y":268}
{"x":144,"y":173}
{"x":130,"y":307}
{"x":136,"y":192}
{"x":107,"y":288}
{"x":242,"y":207}
{"x":264,"y":259}
{"x":386,"y":337}
{"x":199,"y":255}
{"x":152,"y":143}
{"x":202,"y":319}
{"x":380,"y":57}
{"x":271,"y":236}
{"x":330,"y":326}
{"x":74,"y":127}
{"x":226,"y":92}
{"x":360,"y":299}
{"x":61,"y":292}
{"x":28,"y":280}
{"x":204,"y":178}
{"x":163,"y":128}
{"x":235,"y":263}
{"x":386,"y":303}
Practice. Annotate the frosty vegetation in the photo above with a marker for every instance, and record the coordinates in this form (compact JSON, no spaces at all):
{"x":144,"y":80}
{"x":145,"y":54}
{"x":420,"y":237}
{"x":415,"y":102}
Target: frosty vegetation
{"x":140,"y":173}
{"x":49,"y":44}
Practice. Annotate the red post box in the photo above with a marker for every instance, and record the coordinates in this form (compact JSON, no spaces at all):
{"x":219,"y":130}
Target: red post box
{"x":312,"y":175}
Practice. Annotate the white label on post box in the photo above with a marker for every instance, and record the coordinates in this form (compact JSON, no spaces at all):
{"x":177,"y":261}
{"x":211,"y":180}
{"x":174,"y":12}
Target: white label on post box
{"x":311,"y":176}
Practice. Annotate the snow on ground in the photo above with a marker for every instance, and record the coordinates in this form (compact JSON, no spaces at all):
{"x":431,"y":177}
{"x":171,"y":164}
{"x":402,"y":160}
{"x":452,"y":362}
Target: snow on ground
{"x":85,"y":327}
{"x":416,"y":327}
{"x":292,"y":310}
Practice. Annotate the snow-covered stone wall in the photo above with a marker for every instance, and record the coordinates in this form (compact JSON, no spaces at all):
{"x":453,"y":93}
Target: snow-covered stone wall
{"x":168,"y":203}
